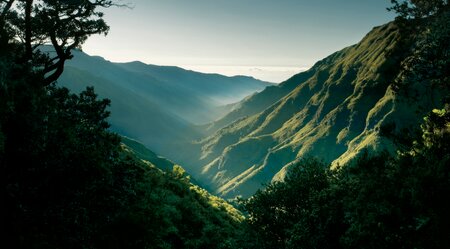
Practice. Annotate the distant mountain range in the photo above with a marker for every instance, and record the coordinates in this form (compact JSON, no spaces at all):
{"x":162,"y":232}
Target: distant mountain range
{"x":161,"y":106}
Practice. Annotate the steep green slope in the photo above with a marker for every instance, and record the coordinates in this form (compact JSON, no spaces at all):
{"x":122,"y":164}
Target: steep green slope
{"x":334,"y":111}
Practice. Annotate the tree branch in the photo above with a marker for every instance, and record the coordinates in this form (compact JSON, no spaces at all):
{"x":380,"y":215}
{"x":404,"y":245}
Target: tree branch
{"x":6,"y":9}
{"x":55,"y":75}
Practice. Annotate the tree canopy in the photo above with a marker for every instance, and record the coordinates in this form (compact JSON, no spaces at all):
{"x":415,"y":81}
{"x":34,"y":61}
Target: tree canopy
{"x":64,"y":24}
{"x":379,"y":201}
{"x":418,"y":8}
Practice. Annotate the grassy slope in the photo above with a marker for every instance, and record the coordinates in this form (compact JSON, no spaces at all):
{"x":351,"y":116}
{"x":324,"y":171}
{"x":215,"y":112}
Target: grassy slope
{"x":333,"y":113}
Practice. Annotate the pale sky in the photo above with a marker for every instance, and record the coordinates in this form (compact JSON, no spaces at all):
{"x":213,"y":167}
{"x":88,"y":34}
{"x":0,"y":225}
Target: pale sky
{"x":267,"y":39}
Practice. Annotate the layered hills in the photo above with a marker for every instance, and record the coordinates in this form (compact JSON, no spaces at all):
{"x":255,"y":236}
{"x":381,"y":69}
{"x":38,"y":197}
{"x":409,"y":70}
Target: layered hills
{"x":334,"y":111}
{"x":161,"y":106}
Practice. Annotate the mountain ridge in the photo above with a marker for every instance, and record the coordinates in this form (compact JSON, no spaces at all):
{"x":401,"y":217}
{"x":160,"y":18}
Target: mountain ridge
{"x":334,"y":111}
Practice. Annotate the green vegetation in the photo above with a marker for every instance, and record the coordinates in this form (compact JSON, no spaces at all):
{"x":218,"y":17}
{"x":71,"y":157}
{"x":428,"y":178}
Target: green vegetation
{"x":418,"y":8}
{"x":68,"y":182}
{"x":376,"y":202}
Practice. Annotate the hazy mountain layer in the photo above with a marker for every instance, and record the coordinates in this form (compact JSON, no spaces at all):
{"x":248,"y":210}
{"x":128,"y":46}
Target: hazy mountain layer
{"x":333,"y":111}
{"x":194,"y":97}
{"x":157,"y":105}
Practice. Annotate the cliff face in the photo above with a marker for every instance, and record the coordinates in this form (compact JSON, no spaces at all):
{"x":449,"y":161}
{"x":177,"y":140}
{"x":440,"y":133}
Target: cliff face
{"x":333,"y":111}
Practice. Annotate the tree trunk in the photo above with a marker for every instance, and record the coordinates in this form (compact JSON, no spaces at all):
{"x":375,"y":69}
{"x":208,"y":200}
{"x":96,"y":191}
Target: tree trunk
{"x":28,"y":34}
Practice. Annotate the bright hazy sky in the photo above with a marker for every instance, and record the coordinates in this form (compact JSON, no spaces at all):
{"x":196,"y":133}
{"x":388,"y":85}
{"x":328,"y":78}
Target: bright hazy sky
{"x":267,"y":39}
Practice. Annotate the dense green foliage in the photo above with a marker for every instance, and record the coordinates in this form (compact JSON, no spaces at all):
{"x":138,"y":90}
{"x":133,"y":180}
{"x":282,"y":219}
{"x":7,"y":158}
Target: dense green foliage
{"x":67,"y":184}
{"x":418,"y":8}
{"x":429,"y":63}
{"x":66,"y":181}
{"x":377,"y":202}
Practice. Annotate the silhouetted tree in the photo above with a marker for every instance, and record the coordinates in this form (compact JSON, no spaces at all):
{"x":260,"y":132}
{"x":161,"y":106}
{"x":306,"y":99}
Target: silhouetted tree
{"x":303,"y":211}
{"x":418,"y":8}
{"x":65,"y":24}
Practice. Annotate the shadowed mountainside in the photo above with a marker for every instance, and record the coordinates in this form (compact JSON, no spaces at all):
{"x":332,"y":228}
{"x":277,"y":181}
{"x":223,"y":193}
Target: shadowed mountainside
{"x":158,"y":105}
